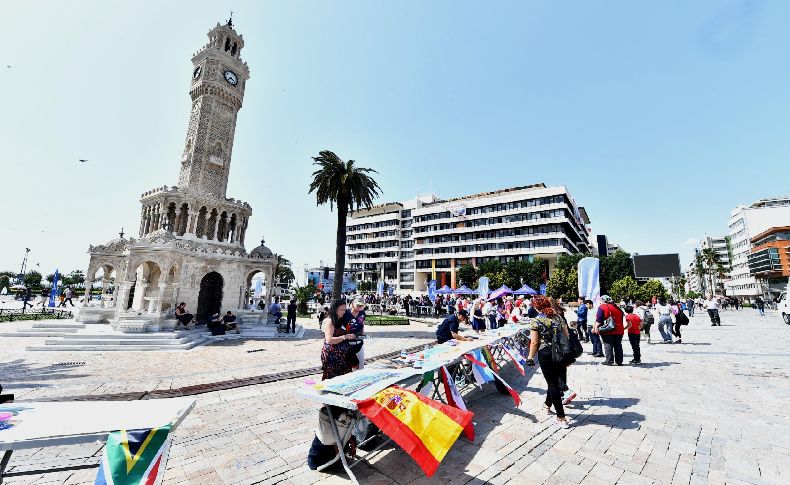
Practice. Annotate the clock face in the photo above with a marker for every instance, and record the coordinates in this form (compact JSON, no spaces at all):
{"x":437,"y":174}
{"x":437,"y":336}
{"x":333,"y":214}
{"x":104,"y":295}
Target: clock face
{"x":196,"y":72}
{"x":231,"y":77}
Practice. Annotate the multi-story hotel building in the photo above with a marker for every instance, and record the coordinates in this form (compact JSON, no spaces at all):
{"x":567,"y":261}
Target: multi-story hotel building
{"x":745,"y":223}
{"x":769,"y":260}
{"x":408,"y":243}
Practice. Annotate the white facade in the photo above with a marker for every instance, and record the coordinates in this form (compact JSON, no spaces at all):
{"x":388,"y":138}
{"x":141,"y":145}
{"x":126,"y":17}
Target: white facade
{"x":746,"y":222}
{"x":191,"y":237}
{"x":407,"y":243}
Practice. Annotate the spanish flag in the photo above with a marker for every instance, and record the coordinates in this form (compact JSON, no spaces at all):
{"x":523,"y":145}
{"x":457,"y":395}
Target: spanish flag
{"x":423,"y":428}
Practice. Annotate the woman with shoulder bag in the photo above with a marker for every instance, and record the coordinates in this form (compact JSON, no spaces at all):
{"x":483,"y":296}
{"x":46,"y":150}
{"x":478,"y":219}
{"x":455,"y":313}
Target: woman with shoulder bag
{"x":609,"y":325}
{"x":543,"y":330}
{"x":680,"y":319}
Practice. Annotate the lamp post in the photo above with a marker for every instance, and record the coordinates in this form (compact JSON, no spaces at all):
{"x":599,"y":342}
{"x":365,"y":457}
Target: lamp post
{"x":21,"y":276}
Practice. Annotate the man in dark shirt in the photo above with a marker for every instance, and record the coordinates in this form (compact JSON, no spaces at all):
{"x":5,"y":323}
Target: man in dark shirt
{"x":292,"y":316}
{"x":230,"y":321}
{"x":448,"y":329}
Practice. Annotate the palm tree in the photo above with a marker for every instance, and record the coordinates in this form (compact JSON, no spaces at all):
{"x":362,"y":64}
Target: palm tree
{"x":282,"y":270}
{"x":350,"y":188}
{"x":711,"y":261}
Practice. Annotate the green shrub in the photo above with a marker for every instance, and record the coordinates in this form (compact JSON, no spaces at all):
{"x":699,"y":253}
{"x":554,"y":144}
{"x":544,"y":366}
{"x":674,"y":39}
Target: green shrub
{"x":386,"y":320}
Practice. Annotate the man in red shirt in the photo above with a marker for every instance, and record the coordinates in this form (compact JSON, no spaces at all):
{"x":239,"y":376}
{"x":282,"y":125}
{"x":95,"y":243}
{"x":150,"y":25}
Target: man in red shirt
{"x":612,"y":339}
{"x":633,"y":325}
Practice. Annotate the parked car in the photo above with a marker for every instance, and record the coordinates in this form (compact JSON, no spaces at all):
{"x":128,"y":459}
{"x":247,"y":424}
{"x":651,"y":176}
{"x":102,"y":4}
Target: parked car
{"x":784,"y":307}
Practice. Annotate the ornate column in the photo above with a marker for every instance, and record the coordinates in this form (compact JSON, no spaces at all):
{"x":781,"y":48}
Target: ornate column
{"x":122,"y":296}
{"x":87,"y":298}
{"x":139,"y":293}
{"x":162,"y":288}
{"x":104,"y":282}
{"x":216,"y":226}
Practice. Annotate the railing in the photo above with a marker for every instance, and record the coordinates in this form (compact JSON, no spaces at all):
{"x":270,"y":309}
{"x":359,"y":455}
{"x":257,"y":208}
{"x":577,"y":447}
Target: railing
{"x":40,"y":314}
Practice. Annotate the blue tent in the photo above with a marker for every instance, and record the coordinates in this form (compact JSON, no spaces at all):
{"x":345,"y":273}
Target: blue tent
{"x":464,"y":290}
{"x":444,"y":290}
{"x":501,"y":291}
{"x":525,"y":290}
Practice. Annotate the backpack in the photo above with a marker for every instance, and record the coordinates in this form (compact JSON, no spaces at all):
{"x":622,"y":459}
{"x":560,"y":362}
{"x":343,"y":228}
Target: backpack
{"x":648,"y":320}
{"x":560,"y":345}
{"x":681,"y":318}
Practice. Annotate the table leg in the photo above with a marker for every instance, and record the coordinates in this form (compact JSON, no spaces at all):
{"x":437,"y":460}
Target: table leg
{"x":4,"y":463}
{"x":340,"y":445}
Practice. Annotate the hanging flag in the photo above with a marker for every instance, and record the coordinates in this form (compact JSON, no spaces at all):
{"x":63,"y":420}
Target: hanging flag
{"x":510,"y":390}
{"x":422,"y":427}
{"x":518,"y":359}
{"x":490,"y":358}
{"x":454,"y":399}
{"x":135,"y":457}
{"x":480,"y":371}
{"x":425,"y":387}
{"x":483,"y":374}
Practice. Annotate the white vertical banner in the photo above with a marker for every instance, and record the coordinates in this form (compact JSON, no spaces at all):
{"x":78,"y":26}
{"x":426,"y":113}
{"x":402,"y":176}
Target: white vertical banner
{"x":589,"y":279}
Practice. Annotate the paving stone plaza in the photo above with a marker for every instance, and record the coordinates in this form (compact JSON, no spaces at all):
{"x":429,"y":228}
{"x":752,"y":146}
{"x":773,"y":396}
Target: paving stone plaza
{"x":710,"y":410}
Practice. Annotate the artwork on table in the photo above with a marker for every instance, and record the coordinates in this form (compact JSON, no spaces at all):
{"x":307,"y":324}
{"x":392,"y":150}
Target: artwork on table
{"x":352,"y":383}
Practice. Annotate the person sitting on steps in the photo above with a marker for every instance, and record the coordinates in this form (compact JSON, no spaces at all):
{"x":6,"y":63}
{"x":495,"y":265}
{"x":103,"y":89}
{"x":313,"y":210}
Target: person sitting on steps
{"x":183,"y":317}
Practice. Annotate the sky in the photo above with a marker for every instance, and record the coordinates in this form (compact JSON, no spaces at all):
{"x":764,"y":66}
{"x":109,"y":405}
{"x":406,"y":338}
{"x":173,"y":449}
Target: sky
{"x":659,"y":117}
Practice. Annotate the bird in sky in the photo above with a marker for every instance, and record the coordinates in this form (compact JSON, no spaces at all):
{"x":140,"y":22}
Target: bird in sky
{"x":82,"y":160}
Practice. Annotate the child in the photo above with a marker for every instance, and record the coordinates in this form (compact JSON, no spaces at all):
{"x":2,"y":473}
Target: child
{"x":633,"y":326}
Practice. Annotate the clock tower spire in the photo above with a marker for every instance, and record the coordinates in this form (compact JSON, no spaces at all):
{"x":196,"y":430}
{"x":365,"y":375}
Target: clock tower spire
{"x":217,"y":91}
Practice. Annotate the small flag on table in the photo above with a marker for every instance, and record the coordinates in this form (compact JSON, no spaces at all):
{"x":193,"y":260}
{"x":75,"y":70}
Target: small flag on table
{"x":134,"y":457}
{"x":490,"y":358}
{"x":423,"y":428}
{"x":454,"y":399}
{"x":425,"y":387}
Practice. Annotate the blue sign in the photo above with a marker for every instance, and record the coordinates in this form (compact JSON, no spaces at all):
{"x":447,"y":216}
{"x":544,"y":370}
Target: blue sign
{"x":543,"y":288}
{"x":380,"y":288}
{"x":432,"y":290}
{"x":53,"y":292}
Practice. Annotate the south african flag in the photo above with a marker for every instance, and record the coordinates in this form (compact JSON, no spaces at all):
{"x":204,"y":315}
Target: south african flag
{"x":134,"y":457}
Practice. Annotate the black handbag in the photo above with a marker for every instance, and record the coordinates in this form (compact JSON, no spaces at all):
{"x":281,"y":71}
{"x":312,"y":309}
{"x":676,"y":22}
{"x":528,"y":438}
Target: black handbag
{"x":576,"y":346}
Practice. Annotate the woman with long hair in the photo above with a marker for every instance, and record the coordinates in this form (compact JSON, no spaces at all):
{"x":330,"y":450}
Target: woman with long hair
{"x":334,"y":360}
{"x":543,"y":330}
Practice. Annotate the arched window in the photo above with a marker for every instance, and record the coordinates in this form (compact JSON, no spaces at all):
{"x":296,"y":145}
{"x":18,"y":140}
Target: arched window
{"x":217,"y":154}
{"x":232,"y":229}
{"x":227,"y":44}
{"x":171,"y":217}
{"x":212,"y":222}
{"x":222,"y":228}
{"x":181,"y":220}
{"x":233,"y":49}
{"x":200,"y":228}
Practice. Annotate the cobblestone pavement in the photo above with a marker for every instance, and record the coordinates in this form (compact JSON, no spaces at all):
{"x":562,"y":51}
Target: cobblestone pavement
{"x":710,"y":410}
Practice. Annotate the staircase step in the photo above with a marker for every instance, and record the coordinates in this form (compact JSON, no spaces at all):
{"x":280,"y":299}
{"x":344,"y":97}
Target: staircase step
{"x":57,"y":325}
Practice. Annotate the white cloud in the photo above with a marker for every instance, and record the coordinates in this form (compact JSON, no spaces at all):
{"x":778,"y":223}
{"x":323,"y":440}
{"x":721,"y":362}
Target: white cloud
{"x":692,"y":241}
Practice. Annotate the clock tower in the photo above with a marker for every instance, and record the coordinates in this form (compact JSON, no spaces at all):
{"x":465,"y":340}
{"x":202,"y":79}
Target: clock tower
{"x":217,"y":90}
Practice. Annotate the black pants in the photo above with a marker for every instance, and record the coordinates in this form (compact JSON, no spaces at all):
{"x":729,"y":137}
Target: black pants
{"x":714,"y":317}
{"x":556,"y":375}
{"x":613,"y":342}
{"x":68,"y":300}
{"x":676,"y":330}
{"x":184,"y":319}
{"x":582,"y":330}
{"x":634,"y":339}
{"x":292,"y":323}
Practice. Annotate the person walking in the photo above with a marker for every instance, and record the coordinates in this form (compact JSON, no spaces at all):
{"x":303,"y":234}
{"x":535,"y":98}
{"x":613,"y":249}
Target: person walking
{"x":478,"y":319}
{"x":633,"y":325}
{"x":543,"y":330}
{"x":291,"y":321}
{"x":646,"y":314}
{"x":664,"y":320}
{"x":712,"y":306}
{"x":613,"y":339}
{"x":690,"y":306}
{"x":680,"y":319}
{"x":760,"y":303}
{"x":595,"y":339}
{"x":581,"y":320}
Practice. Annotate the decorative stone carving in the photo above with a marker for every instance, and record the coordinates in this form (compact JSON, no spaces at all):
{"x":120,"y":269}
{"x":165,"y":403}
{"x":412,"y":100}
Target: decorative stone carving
{"x":117,"y":245}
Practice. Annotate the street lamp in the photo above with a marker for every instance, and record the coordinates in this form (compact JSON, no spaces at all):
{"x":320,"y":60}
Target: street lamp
{"x":21,"y":276}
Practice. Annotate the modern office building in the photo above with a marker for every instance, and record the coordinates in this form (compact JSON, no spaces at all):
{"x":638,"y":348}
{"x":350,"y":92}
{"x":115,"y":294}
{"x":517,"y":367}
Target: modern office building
{"x":746,"y":222}
{"x":769,"y":260}
{"x":408,"y":243}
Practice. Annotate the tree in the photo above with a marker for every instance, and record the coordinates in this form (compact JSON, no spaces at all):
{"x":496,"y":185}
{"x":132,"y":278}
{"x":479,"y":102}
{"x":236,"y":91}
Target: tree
{"x":467,"y":274}
{"x":33,"y":279}
{"x":488,"y":268}
{"x":567,"y":262}
{"x":624,"y":289}
{"x":303,"y":295}
{"x":282,"y":270}
{"x":5,"y":281}
{"x":711,"y":264}
{"x":350,"y":188}
{"x":651,"y":288}
{"x":77,"y":277}
{"x":563,"y":283}
{"x":615,"y":266}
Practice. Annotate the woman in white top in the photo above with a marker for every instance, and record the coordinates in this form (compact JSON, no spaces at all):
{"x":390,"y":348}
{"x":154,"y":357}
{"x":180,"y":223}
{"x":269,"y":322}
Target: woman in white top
{"x":664,"y":320}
